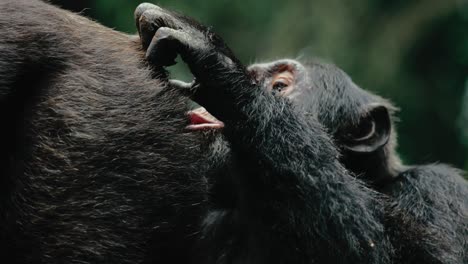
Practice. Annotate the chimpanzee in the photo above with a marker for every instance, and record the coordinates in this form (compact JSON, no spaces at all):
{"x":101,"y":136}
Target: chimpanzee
{"x":431,"y":201}
{"x":361,"y":124}
{"x":100,"y":164}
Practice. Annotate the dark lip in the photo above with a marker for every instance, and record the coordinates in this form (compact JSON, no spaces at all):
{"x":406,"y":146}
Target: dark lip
{"x":201,"y":119}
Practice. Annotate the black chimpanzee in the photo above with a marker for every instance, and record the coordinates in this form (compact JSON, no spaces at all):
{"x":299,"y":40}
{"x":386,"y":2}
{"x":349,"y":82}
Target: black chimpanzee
{"x":100,"y":164}
{"x":429,"y":202}
{"x":435,"y":196}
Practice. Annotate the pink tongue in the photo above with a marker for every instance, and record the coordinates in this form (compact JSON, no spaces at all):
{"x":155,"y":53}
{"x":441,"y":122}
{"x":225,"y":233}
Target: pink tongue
{"x":200,"y":119}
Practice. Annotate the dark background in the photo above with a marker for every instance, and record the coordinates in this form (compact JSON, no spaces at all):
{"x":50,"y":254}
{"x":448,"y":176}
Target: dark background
{"x":412,"y":52}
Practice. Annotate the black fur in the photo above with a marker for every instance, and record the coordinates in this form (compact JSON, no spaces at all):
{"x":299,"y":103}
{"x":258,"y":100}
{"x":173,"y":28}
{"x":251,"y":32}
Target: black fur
{"x":95,"y":147}
{"x":98,"y":167}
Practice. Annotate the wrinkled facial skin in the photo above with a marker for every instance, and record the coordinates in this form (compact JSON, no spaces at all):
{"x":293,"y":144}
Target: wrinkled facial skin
{"x":320,"y":90}
{"x":286,"y":78}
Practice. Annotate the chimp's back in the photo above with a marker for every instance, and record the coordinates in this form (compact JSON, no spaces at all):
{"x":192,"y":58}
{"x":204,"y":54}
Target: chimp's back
{"x":94,"y":160}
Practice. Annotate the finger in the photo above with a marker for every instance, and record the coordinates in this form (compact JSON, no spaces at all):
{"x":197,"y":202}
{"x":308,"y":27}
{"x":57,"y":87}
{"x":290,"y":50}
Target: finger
{"x":150,"y":18}
{"x":187,"y":89}
{"x":165,"y":46}
{"x":141,"y":8}
{"x":180,"y":84}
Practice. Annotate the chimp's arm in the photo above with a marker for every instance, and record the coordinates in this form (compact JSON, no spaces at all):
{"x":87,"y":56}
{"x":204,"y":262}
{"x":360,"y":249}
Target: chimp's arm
{"x":294,"y":202}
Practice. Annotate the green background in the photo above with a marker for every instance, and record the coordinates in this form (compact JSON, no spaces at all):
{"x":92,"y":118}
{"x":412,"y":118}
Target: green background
{"x":412,"y":52}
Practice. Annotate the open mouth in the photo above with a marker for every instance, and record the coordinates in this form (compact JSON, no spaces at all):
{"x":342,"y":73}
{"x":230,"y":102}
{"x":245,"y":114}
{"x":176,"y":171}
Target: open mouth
{"x":200,"y":119}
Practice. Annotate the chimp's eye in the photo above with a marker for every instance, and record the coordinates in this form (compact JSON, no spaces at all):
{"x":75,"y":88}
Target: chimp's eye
{"x":282,"y":83}
{"x":279,"y":85}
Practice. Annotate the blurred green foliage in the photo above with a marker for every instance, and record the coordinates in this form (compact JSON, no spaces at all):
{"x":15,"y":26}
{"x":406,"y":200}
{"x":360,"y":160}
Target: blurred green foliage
{"x":412,"y":52}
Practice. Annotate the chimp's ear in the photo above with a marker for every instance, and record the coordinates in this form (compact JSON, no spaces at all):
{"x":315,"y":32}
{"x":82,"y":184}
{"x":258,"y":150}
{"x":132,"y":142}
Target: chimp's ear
{"x":371,"y":133}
